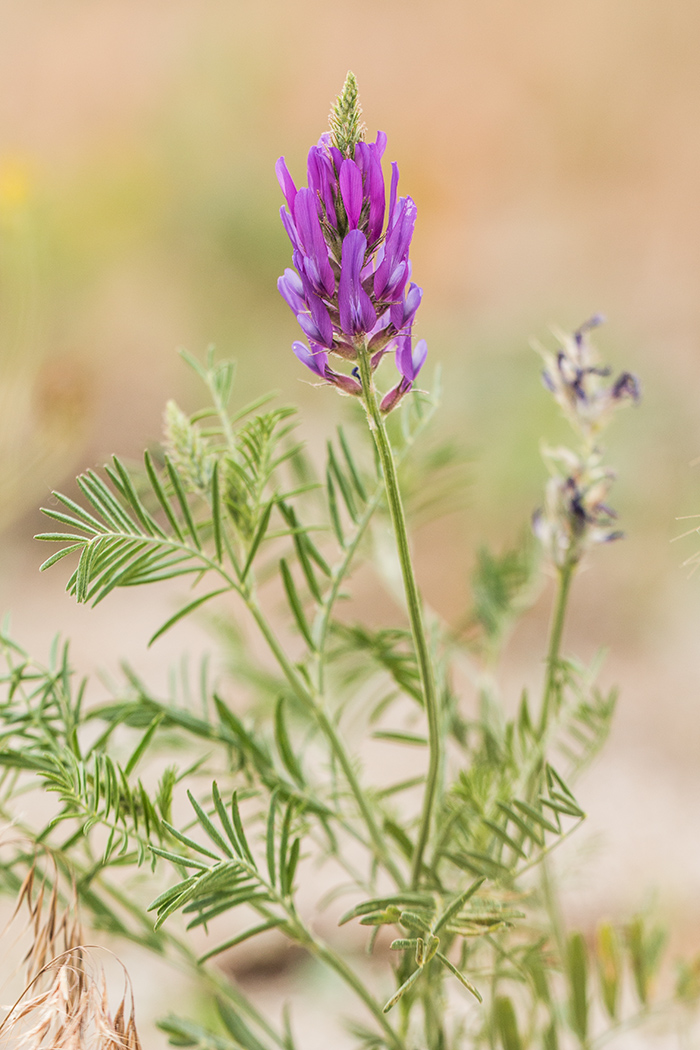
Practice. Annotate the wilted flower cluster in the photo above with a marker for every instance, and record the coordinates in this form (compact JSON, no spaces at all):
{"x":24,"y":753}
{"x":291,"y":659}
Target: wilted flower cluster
{"x":575,"y":515}
{"x":581,"y":385}
{"x":350,"y":288}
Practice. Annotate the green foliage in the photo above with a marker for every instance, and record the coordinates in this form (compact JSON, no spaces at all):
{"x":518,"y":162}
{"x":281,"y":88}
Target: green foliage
{"x":201,"y":812}
{"x":502,"y":587}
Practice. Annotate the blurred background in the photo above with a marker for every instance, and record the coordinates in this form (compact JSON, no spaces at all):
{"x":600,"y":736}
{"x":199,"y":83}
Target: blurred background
{"x":554,"y":155}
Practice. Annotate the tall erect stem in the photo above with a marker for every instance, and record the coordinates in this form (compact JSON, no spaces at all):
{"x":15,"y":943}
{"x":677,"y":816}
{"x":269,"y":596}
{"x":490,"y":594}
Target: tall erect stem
{"x":413,"y":601}
{"x":551,"y":684}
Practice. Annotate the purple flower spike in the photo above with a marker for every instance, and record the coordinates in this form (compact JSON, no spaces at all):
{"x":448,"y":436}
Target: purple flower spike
{"x":357,"y":315}
{"x":350,"y":287}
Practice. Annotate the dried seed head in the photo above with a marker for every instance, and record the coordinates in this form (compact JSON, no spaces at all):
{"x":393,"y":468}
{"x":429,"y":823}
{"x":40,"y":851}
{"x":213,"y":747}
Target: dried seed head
{"x":64,"y":1004}
{"x":69,"y":1009}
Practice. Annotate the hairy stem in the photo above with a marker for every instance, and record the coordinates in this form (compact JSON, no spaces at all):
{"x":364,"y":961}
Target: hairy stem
{"x":413,"y":601}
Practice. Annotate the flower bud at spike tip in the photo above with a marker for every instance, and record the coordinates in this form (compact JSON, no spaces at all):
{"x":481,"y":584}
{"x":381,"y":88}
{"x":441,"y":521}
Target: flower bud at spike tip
{"x":345,"y":120}
{"x":350,"y":289}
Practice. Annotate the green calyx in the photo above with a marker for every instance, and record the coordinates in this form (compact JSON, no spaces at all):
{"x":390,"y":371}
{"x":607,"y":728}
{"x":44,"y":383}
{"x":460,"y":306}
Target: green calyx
{"x":345,"y":118}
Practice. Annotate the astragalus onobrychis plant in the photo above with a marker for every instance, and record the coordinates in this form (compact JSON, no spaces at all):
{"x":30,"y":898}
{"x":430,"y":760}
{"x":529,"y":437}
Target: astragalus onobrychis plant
{"x":188,"y":823}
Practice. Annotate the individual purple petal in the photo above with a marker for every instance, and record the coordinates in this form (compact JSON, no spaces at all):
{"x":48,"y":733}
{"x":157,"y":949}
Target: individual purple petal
{"x":410,"y":360}
{"x":390,"y":279}
{"x":289,"y":227}
{"x":420,"y":352}
{"x":392,"y":273}
{"x":374,"y":189}
{"x":357,"y":315}
{"x":315,"y":359}
{"x":322,"y":181}
{"x":316,"y":265}
{"x":382,"y":322}
{"x":317,"y":323}
{"x":362,"y":155}
{"x":392,"y":194}
{"x":336,"y":158}
{"x":368,"y":159}
{"x":292,"y":290}
{"x":322,"y":320}
{"x":350,"y":182}
{"x":286,"y":182}
{"x":379,"y":144}
{"x":402,"y":313}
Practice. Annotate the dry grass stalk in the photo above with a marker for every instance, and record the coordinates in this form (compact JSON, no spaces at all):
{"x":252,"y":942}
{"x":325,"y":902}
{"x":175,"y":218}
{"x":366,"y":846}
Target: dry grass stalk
{"x":65,"y":1005}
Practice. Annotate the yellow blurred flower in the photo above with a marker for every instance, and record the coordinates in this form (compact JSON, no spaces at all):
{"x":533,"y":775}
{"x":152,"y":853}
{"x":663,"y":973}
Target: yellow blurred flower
{"x":15,"y":183}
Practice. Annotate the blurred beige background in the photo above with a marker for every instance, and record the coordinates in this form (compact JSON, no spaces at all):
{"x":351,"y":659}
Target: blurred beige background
{"x":553,"y":150}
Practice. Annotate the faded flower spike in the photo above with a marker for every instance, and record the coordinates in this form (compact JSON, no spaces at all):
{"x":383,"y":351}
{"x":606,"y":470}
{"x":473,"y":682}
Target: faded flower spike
{"x":581,"y":385}
{"x":575,"y":516}
{"x":350,"y":288}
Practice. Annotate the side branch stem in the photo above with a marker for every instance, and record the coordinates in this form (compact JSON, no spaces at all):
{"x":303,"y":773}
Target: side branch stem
{"x":413,"y":601}
{"x":336,"y":745}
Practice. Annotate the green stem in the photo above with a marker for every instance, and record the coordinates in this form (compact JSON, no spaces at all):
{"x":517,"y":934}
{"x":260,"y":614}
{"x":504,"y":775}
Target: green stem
{"x":329,"y":730}
{"x":551,"y":902}
{"x":413,"y":601}
{"x":323,"y":620}
{"x":434,"y":1008}
{"x":551,"y":686}
{"x":335,"y":962}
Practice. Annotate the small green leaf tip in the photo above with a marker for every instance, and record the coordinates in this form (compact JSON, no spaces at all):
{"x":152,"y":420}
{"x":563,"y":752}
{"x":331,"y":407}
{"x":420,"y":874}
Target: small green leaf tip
{"x":345,"y":120}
